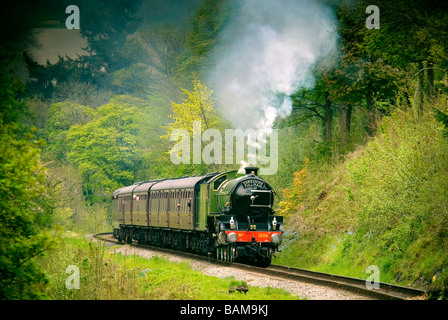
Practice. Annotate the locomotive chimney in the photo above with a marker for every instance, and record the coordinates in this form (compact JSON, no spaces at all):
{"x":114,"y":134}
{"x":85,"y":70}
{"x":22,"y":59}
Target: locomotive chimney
{"x":253,"y":171}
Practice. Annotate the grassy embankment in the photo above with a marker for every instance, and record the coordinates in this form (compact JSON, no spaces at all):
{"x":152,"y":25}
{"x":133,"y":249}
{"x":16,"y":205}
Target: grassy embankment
{"x":107,"y":275}
{"x":385,"y":204}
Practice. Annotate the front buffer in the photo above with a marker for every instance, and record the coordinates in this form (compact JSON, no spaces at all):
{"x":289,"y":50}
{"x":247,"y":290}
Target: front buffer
{"x":250,"y":243}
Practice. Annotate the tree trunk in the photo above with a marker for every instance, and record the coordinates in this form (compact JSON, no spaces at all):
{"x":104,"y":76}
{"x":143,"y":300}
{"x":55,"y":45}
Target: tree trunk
{"x":328,"y":132}
{"x":371,"y":120}
{"x":419,"y":90}
{"x":429,"y":79}
{"x":345,"y":114}
{"x":348,"y":121}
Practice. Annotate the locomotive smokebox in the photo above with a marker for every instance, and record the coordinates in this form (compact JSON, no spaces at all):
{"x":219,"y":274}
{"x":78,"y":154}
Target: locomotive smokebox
{"x":253,"y":171}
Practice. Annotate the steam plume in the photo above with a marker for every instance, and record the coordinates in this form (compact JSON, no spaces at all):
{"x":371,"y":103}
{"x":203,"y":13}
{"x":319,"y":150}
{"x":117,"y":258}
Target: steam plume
{"x":265,"y":53}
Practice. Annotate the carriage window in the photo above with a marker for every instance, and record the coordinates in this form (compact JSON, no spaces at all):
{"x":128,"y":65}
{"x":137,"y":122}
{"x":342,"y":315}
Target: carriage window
{"x":218,"y":182}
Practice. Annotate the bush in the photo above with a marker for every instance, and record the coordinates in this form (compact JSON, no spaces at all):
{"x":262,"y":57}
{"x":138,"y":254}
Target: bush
{"x":386,"y":204}
{"x":24,"y":213}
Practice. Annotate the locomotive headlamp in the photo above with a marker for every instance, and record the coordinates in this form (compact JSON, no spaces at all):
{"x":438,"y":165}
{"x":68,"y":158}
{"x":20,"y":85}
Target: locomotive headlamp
{"x":274,"y":223}
{"x":232,"y":237}
{"x":222,"y":238}
{"x":276,"y":238}
{"x":232,"y":222}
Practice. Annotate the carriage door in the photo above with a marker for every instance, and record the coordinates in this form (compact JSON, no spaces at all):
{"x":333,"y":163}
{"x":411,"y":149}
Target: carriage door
{"x":168,"y":198}
{"x":122,"y":207}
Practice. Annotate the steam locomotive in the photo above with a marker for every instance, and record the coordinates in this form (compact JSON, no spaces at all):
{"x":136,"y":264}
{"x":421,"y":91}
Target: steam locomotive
{"x":226,"y":215}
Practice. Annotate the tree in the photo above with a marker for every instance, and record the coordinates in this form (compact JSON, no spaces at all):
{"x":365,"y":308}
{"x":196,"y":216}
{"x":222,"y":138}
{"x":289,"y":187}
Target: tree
{"x":80,"y":92}
{"x":207,"y":22}
{"x":25,"y":209}
{"x":62,"y":116}
{"x":315,"y":102}
{"x":197,"y":106}
{"x":153,"y":52}
{"x":106,"y":150}
{"x":412,"y":38}
{"x":293,"y":197}
{"x":163,"y":45}
{"x":11,"y":107}
{"x":24,"y":212}
{"x":106,"y":26}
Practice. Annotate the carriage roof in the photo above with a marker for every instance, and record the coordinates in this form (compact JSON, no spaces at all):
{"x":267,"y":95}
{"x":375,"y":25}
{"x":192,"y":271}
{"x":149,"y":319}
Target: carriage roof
{"x":181,"y":183}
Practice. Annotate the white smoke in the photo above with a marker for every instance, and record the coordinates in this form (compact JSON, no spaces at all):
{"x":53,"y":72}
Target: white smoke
{"x":264,"y":54}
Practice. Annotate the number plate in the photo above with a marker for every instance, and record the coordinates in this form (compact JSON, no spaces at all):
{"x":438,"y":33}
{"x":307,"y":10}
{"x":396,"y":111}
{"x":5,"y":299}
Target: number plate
{"x":260,"y":236}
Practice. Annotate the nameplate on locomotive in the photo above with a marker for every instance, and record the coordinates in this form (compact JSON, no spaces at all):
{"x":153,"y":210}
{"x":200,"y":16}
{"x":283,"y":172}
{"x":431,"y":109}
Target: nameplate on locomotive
{"x":254,"y":183}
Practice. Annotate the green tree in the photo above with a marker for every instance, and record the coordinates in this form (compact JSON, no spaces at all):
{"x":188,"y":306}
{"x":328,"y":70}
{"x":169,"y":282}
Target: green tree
{"x":153,"y":52}
{"x":106,"y":25}
{"x":412,"y":37}
{"x":62,"y":116}
{"x":12,"y":89}
{"x":198,"y":105}
{"x":24,"y":214}
{"x":25,"y":209}
{"x":107,"y":151}
{"x":208,"y":20}
{"x":315,"y":102}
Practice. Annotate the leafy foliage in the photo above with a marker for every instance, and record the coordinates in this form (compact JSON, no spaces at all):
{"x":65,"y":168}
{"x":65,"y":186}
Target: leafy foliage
{"x":24,"y":211}
{"x":443,"y":118}
{"x":102,"y":116}
{"x":198,"y":105}
{"x":293,"y":197}
{"x":208,"y":20}
{"x":62,"y":116}
{"x":106,"y":150}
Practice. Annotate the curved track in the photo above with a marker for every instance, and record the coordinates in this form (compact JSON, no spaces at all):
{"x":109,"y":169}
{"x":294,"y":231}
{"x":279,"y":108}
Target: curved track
{"x":385,"y":292}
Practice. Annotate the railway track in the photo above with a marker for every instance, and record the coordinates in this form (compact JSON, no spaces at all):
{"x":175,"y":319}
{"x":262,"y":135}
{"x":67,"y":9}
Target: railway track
{"x":384,"y":292}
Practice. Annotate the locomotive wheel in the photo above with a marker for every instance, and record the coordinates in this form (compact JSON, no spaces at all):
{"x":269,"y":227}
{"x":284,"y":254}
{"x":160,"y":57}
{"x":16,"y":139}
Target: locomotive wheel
{"x":225,"y":253}
{"x":220,"y":253}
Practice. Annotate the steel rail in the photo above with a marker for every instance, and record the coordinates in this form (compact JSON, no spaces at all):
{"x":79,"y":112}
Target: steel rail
{"x":385,"y":291}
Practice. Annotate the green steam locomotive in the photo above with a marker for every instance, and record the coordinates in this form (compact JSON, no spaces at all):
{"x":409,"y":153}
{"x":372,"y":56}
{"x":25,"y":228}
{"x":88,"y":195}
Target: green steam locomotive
{"x":225,"y":215}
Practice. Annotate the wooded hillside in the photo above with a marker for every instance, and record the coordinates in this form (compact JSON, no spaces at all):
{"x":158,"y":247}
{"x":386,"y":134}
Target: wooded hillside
{"x":362,"y":152}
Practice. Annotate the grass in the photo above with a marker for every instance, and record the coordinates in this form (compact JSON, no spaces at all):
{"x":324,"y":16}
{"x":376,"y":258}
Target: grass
{"x":385,"y":204}
{"x":104,"y":275}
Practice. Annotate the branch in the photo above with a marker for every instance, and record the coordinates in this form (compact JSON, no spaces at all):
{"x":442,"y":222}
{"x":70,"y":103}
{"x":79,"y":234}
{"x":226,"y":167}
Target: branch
{"x":310,"y":109}
{"x":427,"y":68}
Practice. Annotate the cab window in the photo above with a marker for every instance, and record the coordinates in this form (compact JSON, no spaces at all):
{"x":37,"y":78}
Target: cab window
{"x":219,"y":181}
